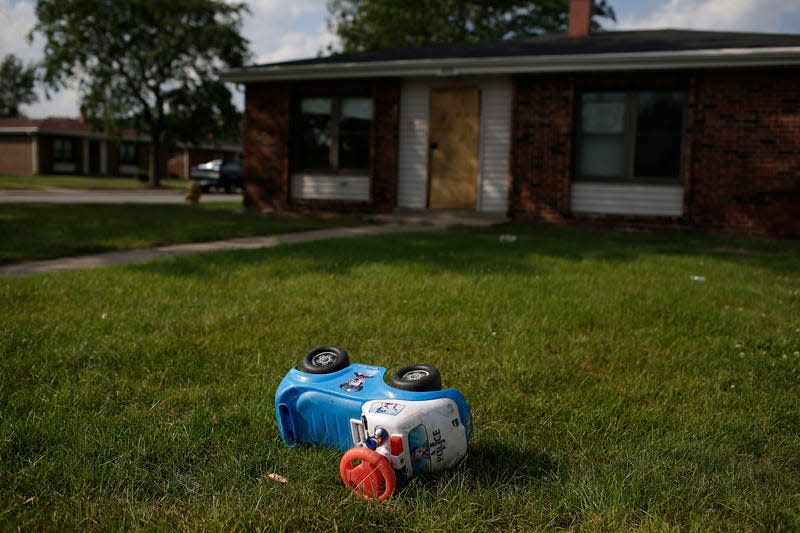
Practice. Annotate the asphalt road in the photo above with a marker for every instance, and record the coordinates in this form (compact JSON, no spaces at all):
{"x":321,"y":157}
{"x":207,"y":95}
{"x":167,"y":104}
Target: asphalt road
{"x":110,"y":197}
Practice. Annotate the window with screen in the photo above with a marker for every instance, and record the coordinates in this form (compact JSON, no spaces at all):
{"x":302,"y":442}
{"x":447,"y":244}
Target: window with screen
{"x":334,"y":134}
{"x":630,"y":135}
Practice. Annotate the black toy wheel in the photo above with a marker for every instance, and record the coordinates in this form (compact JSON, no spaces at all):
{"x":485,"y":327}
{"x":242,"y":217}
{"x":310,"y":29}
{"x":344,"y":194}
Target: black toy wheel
{"x":324,"y":360}
{"x":418,"y":378}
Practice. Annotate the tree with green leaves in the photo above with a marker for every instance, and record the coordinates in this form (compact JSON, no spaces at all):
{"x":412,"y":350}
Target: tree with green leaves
{"x":16,"y":85}
{"x":143,"y":60}
{"x":375,"y":24}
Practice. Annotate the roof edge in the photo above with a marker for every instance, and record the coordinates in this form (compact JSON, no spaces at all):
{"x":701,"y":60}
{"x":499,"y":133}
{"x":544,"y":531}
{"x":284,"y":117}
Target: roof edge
{"x":61,"y":132}
{"x":672,"y":60}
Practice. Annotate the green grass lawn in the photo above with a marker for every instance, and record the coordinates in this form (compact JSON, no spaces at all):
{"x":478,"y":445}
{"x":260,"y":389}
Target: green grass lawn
{"x":610,"y":390}
{"x":38,"y":183}
{"x":44,"y":231}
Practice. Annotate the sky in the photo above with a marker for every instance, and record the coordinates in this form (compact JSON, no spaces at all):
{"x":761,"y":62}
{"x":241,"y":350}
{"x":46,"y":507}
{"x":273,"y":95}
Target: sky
{"x":280,"y":30}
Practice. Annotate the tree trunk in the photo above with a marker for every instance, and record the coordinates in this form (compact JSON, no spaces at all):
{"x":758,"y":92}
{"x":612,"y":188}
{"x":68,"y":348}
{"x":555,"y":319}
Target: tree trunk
{"x":154,"y":169}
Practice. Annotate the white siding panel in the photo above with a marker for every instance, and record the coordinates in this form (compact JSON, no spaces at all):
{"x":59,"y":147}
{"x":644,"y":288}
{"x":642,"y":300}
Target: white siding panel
{"x":128,"y":170}
{"x":412,"y":166}
{"x":626,"y":199}
{"x":315,"y":187}
{"x":495,"y":145}
{"x":64,"y":167}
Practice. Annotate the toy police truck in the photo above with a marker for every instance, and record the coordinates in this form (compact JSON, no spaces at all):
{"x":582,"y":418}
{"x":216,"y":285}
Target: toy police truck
{"x":389,"y":432}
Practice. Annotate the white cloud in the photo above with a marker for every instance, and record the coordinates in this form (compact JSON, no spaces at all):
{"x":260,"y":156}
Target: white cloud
{"x":281,"y":31}
{"x":65,"y":103}
{"x":295,"y":45}
{"x":281,"y":11}
{"x":17,"y":18}
{"x":733,"y":15}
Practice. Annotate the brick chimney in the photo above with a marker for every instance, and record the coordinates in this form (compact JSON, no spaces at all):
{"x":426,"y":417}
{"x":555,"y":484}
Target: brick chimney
{"x":580,"y":18}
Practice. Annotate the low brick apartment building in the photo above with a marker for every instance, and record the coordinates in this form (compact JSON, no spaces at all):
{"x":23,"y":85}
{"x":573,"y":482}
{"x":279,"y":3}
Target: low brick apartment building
{"x":31,"y":147}
{"x":664,"y":129}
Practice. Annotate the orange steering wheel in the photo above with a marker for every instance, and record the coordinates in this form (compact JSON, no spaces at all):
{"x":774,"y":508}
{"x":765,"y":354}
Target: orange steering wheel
{"x":367,"y":473}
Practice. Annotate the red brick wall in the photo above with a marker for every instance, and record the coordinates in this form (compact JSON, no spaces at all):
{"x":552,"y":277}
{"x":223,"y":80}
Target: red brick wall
{"x":385,"y":144}
{"x":16,"y":155}
{"x":267,"y":135}
{"x":741,"y":154}
{"x":176,"y":165}
{"x":113,"y":158}
{"x":45,"y":149}
{"x":541,"y":154}
{"x":268,"y":143}
{"x":746,"y":152}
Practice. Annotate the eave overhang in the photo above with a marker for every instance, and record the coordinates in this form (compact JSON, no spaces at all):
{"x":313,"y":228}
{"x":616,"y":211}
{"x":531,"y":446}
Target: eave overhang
{"x":57,"y":132}
{"x":538,"y":64}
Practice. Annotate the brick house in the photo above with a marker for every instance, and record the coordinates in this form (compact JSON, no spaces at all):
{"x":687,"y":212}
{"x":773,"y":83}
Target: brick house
{"x":664,"y":128}
{"x":31,"y":147}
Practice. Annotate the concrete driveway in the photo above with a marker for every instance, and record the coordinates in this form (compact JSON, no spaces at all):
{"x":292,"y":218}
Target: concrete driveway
{"x":171,"y":196}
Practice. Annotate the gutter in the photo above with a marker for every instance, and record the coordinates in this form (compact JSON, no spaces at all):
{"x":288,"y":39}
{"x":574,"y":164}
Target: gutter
{"x":36,"y":130}
{"x":222,"y":145}
{"x":674,"y":60}
{"x":20,"y":130}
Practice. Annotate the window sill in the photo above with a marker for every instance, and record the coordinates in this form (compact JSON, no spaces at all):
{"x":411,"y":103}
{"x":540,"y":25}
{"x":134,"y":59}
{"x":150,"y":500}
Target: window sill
{"x":629,"y":181}
{"x":319,"y":186}
{"x":357,"y":172}
{"x":64,"y":166}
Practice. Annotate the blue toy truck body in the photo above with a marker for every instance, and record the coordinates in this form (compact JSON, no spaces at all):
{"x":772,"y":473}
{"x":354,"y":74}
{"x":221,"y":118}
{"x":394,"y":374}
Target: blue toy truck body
{"x":318,"y":409}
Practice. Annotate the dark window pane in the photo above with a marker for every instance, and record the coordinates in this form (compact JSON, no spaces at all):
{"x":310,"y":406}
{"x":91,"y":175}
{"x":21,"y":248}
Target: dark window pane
{"x":315,"y":125}
{"x":62,"y":150}
{"x":660,"y":113}
{"x":659,"y":131}
{"x":355,"y":124}
{"x":128,"y":154}
{"x":658,"y":156}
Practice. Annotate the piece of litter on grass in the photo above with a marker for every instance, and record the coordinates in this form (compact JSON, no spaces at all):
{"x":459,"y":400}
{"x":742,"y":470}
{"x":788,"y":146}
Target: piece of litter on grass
{"x":697,"y":278}
{"x":508,"y":238}
{"x":279,"y":478}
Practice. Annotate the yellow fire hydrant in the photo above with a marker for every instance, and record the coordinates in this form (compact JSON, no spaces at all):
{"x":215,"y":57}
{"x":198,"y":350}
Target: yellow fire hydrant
{"x":193,"y":193}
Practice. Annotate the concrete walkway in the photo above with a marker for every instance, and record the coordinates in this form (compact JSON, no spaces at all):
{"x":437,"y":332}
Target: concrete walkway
{"x":402,"y":221}
{"x":128,"y":257}
{"x":164,"y":196}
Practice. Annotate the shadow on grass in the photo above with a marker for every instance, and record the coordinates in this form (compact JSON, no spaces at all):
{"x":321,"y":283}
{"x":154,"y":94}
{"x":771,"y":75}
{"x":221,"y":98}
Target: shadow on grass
{"x":499,"y":464}
{"x":480,"y":251}
{"x":493,"y":467}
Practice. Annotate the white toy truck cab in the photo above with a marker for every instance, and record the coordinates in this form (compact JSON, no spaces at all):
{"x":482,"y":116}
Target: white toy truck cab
{"x":423,"y":436}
